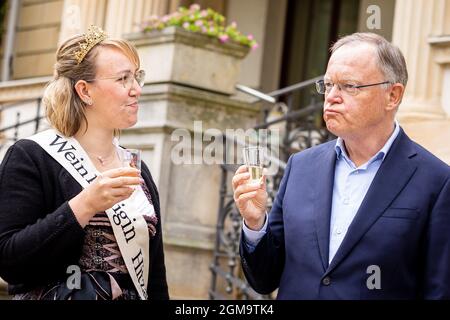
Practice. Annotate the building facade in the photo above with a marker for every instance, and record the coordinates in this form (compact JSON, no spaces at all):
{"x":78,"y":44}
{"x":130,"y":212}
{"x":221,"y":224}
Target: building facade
{"x":293,"y":37}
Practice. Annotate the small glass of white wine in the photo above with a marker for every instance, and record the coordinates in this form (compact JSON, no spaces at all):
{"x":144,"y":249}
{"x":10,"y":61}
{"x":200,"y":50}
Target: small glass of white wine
{"x":254,"y":160}
{"x":131,"y":158}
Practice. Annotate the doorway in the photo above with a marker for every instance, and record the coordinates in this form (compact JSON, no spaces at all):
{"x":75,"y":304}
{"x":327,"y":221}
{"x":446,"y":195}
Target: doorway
{"x":311,"y":27}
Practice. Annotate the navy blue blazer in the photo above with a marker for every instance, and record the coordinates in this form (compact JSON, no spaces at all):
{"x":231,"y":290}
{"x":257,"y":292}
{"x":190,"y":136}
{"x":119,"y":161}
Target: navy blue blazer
{"x":402,"y":226}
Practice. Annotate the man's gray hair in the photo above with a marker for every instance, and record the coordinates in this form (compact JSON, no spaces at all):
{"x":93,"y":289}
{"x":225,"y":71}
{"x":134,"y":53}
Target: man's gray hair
{"x":390,"y":59}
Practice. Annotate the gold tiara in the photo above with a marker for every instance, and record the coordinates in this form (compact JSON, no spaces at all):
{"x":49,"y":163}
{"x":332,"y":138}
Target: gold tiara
{"x":93,"y":36}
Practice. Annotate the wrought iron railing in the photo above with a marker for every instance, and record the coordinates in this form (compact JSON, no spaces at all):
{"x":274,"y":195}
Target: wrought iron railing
{"x":301,"y":128}
{"x":13,"y":132}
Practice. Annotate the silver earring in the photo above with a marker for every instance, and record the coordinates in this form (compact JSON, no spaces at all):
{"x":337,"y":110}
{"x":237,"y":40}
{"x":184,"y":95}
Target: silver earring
{"x":89,"y":102}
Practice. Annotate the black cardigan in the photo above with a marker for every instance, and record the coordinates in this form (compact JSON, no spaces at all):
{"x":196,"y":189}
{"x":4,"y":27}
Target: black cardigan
{"x":39,"y":234}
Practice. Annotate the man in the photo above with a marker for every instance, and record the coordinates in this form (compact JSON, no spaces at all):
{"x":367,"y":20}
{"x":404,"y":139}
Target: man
{"x":364,"y":217}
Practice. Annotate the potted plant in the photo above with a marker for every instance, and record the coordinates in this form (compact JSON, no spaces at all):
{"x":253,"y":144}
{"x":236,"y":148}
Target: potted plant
{"x":194,"y":47}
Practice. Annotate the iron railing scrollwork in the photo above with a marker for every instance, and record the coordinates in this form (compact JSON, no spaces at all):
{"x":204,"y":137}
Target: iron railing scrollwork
{"x":13,"y":132}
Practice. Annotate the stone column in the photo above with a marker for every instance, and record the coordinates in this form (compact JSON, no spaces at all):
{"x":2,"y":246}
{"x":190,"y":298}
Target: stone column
{"x":417,"y":25}
{"x":414,"y":22}
{"x":78,"y":15}
{"x":189,"y":86}
{"x":189,"y":193}
{"x":133,"y":13}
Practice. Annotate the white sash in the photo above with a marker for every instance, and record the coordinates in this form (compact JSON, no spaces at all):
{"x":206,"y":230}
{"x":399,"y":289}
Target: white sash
{"x":126,"y":217}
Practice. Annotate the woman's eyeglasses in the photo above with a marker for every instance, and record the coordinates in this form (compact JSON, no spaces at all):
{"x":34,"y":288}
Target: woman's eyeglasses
{"x":127,"y":78}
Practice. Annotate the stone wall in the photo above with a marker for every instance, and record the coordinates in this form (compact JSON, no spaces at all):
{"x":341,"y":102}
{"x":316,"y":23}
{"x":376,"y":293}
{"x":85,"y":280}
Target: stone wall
{"x":421,"y":30}
{"x":189,"y":193}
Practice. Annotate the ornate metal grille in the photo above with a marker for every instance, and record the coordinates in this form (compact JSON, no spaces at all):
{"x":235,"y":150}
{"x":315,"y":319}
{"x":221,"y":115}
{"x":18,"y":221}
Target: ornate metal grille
{"x":11,"y":133}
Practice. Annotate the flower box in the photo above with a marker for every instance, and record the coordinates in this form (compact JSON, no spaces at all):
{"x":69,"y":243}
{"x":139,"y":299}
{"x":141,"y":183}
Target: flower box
{"x":178,"y":56}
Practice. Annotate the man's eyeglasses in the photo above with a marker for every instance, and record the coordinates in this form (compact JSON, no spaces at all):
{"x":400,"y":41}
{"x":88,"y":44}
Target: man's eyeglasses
{"x":127,"y":79}
{"x":324,"y":87}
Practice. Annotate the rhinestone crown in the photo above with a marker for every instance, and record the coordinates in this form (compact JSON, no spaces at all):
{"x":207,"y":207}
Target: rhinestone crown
{"x":93,"y":36}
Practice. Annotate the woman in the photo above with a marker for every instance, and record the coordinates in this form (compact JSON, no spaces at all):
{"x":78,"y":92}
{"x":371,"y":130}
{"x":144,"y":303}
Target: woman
{"x":74,"y":222}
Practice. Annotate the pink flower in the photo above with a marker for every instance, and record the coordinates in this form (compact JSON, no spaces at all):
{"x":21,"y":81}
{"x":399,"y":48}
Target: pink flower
{"x":194,"y":7}
{"x":203,"y":13}
{"x":224,"y":38}
{"x":234,"y":24}
{"x":250,"y":37}
{"x":165,"y":18}
{"x":199,"y":23}
{"x":204,"y":30}
{"x":255,"y":46}
{"x":186,"y":25}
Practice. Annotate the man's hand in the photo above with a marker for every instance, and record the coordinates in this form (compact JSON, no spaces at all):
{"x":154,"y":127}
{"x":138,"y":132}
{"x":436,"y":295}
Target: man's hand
{"x":250,"y":199}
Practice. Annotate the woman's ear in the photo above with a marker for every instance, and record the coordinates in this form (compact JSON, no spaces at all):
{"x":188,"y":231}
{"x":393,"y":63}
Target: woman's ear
{"x":81,"y":87}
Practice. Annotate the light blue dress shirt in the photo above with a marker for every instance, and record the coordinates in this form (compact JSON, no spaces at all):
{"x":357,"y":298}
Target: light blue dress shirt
{"x":351,"y":184}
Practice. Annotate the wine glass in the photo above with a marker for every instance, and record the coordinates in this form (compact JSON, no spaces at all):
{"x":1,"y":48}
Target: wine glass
{"x":254,"y":160}
{"x":131,"y":158}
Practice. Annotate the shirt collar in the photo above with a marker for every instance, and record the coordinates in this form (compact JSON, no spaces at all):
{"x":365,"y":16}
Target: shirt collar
{"x":380,"y":155}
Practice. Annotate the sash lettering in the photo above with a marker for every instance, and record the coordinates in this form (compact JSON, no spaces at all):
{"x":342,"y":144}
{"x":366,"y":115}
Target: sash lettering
{"x":139,"y":267}
{"x":127,"y":227}
{"x":71,"y":157}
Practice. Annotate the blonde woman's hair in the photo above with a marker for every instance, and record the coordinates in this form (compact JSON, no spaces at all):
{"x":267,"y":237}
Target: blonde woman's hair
{"x":65,"y":110}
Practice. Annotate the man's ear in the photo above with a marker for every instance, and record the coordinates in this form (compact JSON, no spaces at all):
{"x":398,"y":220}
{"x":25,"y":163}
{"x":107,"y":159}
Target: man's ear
{"x":81,"y":87}
{"x":395,"y":96}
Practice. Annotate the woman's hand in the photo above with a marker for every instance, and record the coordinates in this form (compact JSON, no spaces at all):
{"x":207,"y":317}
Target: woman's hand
{"x":109,"y":188}
{"x":250,"y":199}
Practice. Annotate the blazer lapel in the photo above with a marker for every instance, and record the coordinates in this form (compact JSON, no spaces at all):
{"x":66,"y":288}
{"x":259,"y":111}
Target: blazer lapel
{"x":323,"y":193}
{"x":393,"y":174}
